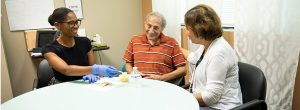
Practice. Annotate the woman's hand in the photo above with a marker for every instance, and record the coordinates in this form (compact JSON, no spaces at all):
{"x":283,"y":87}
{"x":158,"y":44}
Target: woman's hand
{"x":91,"y":78}
{"x":104,"y":70}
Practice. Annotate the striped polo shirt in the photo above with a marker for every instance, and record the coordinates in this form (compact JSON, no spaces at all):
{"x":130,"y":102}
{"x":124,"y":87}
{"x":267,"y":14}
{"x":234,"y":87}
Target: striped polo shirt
{"x":159,"y":59}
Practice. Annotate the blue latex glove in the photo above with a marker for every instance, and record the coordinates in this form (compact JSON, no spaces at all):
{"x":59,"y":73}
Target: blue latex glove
{"x":91,"y":78}
{"x":104,"y":70}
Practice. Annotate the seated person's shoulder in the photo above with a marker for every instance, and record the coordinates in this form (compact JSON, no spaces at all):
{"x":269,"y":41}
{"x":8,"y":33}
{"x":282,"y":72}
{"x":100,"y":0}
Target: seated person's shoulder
{"x":171,"y":40}
{"x":137,"y":37}
{"x":82,"y":38}
{"x":54,"y":47}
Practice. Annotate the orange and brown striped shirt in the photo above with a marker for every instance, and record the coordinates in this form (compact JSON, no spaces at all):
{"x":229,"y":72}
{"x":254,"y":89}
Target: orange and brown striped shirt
{"x":159,"y":59}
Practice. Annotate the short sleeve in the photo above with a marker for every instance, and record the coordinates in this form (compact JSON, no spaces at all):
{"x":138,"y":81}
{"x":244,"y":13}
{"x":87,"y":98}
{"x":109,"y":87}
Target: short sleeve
{"x":178,"y":58}
{"x":128,"y":54}
{"x":87,"y":43}
{"x":51,"y":48}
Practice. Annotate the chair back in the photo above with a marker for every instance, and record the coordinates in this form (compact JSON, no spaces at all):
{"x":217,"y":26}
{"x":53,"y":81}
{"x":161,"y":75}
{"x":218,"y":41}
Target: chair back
{"x":179,"y":81}
{"x":44,"y":74}
{"x":124,"y":68}
{"x":253,"y":82}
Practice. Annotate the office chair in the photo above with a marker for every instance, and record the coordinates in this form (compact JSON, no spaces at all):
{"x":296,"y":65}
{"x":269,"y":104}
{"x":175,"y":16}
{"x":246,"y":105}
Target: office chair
{"x":253,"y":85}
{"x":179,"y":81}
{"x":124,"y":68}
{"x":44,"y":75}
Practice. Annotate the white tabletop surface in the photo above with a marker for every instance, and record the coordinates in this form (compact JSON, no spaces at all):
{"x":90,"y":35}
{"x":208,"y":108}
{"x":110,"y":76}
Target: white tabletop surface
{"x":78,"y":95}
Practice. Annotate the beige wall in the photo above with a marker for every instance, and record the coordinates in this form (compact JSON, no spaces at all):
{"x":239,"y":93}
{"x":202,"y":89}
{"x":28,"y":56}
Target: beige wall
{"x":20,"y":67}
{"x":6,"y":92}
{"x":146,"y":8}
{"x":115,"y":20}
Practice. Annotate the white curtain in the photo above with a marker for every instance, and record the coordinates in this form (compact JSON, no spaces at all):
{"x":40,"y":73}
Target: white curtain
{"x":267,"y":34}
{"x":173,"y":11}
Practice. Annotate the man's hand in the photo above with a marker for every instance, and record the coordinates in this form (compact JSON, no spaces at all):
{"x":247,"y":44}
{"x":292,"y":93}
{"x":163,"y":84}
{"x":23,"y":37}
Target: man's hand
{"x":153,"y":76}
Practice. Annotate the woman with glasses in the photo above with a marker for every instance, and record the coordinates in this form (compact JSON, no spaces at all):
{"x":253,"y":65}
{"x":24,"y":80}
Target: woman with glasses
{"x":71,"y":57}
{"x":215,"y":80}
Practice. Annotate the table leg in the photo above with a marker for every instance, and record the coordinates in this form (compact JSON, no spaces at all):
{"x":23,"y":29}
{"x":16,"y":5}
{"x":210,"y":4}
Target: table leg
{"x":98,"y":52}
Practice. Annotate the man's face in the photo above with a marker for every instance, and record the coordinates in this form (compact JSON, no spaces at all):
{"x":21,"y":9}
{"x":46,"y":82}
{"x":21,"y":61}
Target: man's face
{"x":153,"y":28}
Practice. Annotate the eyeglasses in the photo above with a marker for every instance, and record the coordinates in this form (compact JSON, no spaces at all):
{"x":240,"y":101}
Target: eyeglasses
{"x":73,"y":23}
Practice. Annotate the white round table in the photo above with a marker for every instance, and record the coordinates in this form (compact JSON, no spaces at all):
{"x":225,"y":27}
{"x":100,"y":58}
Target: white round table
{"x":146,"y":94}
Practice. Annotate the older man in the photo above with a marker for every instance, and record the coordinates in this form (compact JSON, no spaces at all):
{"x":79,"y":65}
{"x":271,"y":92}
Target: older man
{"x":157,"y":56}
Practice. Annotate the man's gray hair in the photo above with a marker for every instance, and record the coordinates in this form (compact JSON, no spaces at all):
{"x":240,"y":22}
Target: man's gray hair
{"x":160,"y":16}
